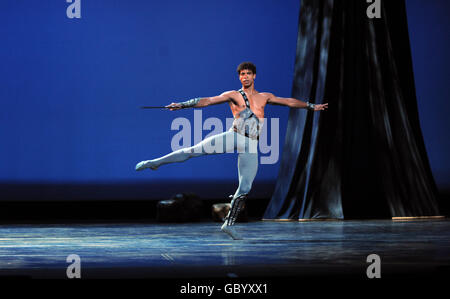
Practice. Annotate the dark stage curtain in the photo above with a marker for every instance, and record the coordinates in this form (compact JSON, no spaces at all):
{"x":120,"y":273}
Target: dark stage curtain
{"x":364,"y":157}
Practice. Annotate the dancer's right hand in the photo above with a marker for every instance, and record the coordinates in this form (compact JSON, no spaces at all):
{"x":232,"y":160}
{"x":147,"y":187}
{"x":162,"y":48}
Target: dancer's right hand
{"x":174,"y":106}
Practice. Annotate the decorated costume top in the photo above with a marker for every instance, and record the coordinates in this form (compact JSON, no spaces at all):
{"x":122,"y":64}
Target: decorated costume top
{"x":247,"y":124}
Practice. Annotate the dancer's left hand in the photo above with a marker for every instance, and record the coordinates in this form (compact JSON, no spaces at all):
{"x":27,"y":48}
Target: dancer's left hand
{"x":318,"y":107}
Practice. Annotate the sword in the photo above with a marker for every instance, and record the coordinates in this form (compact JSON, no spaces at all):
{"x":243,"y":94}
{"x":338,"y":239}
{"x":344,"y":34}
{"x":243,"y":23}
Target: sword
{"x":154,"y":107}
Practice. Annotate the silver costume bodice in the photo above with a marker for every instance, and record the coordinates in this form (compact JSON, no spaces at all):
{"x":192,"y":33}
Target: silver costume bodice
{"x":247,"y":124}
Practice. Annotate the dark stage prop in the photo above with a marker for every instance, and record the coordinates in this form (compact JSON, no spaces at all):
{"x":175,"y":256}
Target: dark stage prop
{"x":364,"y":157}
{"x":181,"y":207}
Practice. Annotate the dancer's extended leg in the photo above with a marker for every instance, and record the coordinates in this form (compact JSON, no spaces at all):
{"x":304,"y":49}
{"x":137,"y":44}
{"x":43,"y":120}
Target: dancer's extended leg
{"x":221,"y":143}
{"x":217,"y":144}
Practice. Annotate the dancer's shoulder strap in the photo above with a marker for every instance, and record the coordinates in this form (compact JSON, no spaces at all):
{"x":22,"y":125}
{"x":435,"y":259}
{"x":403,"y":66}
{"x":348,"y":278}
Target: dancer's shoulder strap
{"x":245,"y":97}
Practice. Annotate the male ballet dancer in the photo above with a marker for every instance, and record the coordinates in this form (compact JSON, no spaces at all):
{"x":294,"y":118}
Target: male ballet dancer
{"x":247,"y":106}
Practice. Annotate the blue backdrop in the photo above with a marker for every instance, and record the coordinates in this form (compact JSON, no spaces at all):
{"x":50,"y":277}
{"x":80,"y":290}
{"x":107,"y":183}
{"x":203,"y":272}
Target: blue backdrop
{"x":71,"y":88}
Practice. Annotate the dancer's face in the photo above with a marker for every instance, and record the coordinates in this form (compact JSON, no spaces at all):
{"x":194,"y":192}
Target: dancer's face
{"x":247,"y":78}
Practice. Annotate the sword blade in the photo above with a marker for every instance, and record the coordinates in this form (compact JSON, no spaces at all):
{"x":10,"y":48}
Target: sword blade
{"x":153,"y":107}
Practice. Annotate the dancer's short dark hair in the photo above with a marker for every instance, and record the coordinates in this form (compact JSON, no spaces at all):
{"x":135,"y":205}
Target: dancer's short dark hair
{"x":246,"y":66}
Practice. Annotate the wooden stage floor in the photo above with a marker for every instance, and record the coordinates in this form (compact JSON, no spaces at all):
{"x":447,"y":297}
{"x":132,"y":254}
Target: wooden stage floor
{"x":199,"y":250}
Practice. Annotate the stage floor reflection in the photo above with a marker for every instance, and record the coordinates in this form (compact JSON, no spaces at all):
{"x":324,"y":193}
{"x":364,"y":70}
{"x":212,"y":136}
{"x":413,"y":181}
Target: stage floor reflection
{"x":189,"y":250}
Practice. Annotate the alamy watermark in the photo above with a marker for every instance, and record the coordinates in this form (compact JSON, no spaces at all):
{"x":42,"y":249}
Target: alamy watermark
{"x":374,"y":269}
{"x":74,"y":9}
{"x":74,"y":269}
{"x":183,"y":139}
{"x":374,"y":9}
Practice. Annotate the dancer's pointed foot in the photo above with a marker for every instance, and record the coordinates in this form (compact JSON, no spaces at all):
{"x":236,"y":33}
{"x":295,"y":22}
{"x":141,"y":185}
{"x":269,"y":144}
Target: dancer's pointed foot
{"x":229,"y":230}
{"x":146,"y":164}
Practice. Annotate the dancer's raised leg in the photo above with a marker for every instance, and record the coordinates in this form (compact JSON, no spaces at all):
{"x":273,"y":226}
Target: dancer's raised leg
{"x":217,"y":144}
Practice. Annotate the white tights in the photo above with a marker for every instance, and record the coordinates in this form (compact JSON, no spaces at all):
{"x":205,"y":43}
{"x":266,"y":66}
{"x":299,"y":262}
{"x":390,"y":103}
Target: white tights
{"x":226,"y":142}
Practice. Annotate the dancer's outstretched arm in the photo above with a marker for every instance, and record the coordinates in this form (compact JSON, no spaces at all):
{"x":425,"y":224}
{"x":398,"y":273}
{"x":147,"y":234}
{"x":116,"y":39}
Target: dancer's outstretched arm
{"x":202,"y":102}
{"x":294,"y":103}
